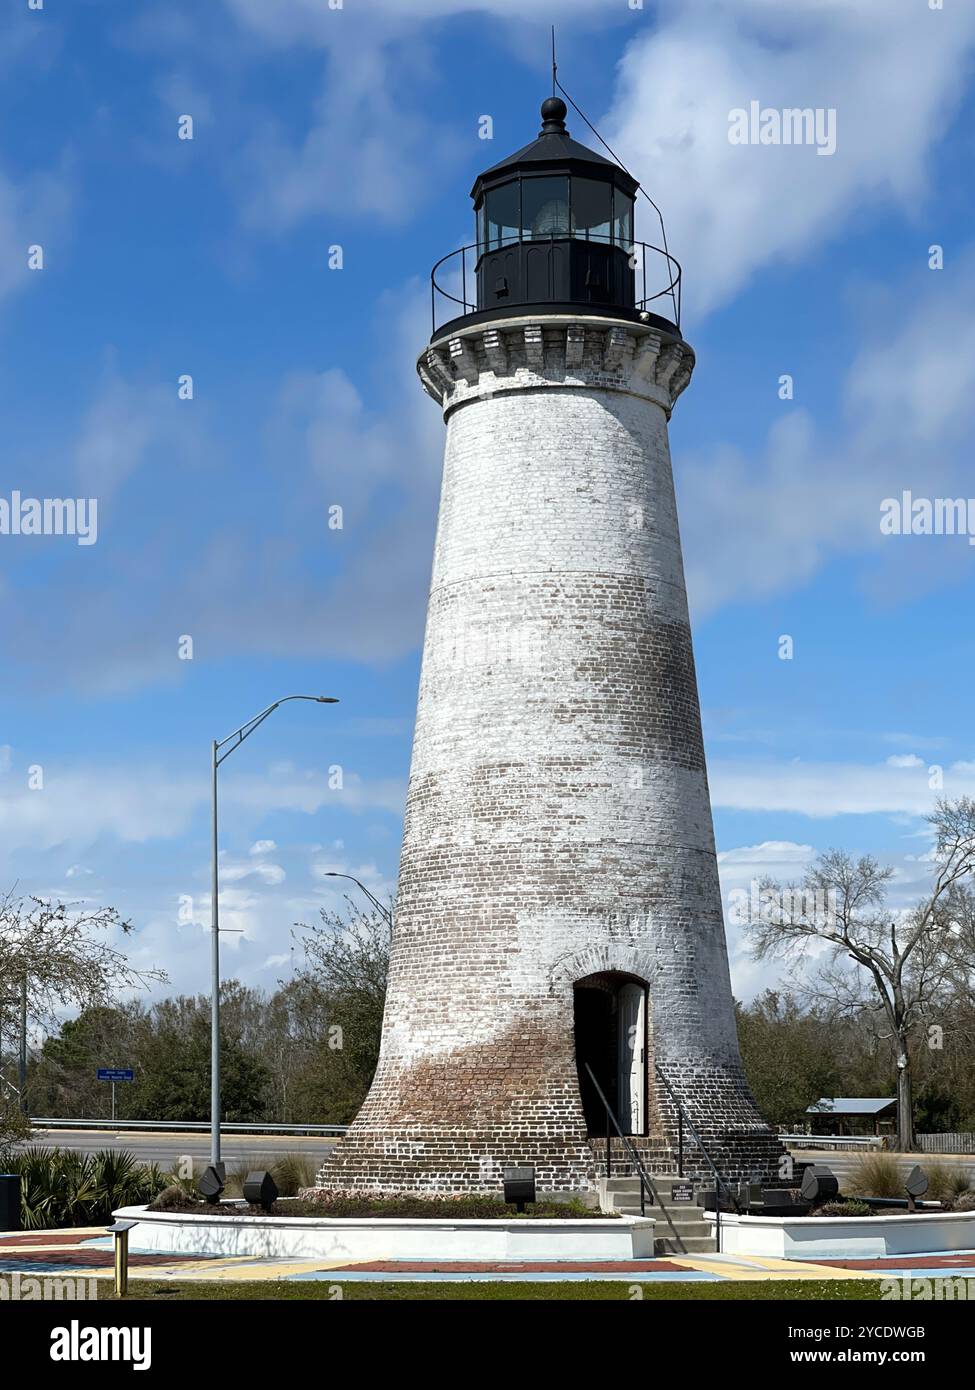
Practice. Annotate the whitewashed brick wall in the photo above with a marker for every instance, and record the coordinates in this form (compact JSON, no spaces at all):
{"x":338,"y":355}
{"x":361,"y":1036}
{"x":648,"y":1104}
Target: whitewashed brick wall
{"x":558,"y":821}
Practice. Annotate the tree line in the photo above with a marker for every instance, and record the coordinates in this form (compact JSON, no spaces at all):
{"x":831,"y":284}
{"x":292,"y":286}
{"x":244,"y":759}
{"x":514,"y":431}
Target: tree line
{"x":875,"y":1002}
{"x":302,"y":1053}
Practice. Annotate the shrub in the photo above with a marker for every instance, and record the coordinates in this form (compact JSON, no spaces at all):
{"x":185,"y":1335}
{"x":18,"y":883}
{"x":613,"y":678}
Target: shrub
{"x":848,"y":1208}
{"x":292,"y":1172}
{"x":62,"y":1188}
{"x":944,"y":1181}
{"x":965,"y":1201}
{"x":876,"y":1175}
{"x":319,"y":1202}
{"x":174,"y":1198}
{"x":237,"y":1176}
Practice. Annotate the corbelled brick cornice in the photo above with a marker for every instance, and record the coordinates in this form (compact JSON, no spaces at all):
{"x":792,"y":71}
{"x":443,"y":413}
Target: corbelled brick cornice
{"x":556,"y":351}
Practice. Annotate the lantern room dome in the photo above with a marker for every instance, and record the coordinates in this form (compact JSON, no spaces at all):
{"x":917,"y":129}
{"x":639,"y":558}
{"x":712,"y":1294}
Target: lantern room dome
{"x":554,"y":234}
{"x":555,"y":146}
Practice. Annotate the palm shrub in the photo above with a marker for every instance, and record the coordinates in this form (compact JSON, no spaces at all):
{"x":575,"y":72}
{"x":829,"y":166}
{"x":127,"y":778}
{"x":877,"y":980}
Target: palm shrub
{"x":61,"y":1188}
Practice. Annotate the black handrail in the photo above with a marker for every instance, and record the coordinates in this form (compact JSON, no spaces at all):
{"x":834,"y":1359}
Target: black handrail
{"x":673,"y":289}
{"x":719,"y":1182}
{"x":646,"y":1183}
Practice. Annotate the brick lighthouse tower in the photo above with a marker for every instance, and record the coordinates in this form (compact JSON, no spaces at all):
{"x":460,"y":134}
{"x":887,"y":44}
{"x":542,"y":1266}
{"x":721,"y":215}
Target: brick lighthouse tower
{"x":558,"y":915}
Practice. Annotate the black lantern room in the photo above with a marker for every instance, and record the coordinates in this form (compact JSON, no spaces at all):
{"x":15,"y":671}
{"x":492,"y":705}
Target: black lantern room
{"x":554,"y":232}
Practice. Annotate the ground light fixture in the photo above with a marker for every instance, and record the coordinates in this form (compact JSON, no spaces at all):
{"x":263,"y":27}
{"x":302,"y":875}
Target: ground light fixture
{"x":260,"y":1189}
{"x":519,"y":1186}
{"x":212,"y":1182}
{"x":819,"y":1183}
{"x":915,"y":1185}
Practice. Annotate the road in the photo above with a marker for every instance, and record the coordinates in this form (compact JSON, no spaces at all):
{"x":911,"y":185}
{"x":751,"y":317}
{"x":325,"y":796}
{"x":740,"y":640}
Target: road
{"x":260,"y":1150}
{"x":167,"y":1147}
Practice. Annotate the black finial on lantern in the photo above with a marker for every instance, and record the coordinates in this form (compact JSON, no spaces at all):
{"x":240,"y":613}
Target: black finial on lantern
{"x":554,"y":112}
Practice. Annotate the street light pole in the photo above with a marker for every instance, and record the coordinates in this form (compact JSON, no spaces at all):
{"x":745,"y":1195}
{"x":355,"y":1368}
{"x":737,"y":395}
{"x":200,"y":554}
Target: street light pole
{"x":22,"y":1069}
{"x":216,"y":758}
{"x":330,"y":873}
{"x":214,"y":979}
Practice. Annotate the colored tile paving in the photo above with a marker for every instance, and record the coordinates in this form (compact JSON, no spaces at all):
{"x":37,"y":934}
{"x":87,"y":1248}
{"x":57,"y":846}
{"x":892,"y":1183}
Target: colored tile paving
{"x":89,"y":1251}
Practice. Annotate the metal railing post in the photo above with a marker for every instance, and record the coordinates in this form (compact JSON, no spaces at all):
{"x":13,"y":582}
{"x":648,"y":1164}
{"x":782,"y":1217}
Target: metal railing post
{"x":719,"y":1181}
{"x":642,"y":1174}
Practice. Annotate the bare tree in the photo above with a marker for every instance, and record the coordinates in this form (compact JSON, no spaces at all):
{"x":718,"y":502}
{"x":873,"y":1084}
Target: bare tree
{"x":56,"y":956}
{"x":346,"y":963}
{"x":897,"y":965}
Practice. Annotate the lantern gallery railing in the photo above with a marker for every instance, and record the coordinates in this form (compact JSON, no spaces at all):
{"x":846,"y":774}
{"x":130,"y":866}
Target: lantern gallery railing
{"x":454,"y":278}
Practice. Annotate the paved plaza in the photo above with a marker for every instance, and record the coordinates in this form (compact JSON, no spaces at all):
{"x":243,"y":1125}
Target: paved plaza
{"x":87,"y":1253}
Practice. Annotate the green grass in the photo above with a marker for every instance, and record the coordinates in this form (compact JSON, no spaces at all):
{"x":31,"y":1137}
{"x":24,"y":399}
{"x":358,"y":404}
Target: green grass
{"x":817,"y":1291}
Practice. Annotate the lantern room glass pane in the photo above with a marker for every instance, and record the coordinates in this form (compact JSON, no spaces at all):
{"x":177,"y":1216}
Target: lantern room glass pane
{"x":623,"y":221}
{"x":592,"y":209}
{"x":502,"y":216}
{"x":545,"y":208}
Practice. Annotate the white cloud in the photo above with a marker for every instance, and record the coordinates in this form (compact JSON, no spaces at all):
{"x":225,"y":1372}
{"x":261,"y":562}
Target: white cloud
{"x":288,"y":22}
{"x":833,"y":789}
{"x":262,"y":847}
{"x":36,"y":211}
{"x":235,"y":870}
{"x":285,"y":787}
{"x":757,"y":525}
{"x":905,"y":760}
{"x":123,"y":420}
{"x":79,"y":803}
{"x":893,"y":70}
{"x":771,"y":857}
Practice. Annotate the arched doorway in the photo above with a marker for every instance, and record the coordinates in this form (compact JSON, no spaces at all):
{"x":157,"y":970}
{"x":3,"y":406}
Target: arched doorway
{"x":610,"y":1026}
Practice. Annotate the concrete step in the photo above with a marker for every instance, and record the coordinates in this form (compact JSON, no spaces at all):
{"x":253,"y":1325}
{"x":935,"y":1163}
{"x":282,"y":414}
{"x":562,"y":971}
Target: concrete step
{"x":693,"y":1245}
{"x":680,"y":1217}
{"x":690,"y":1228}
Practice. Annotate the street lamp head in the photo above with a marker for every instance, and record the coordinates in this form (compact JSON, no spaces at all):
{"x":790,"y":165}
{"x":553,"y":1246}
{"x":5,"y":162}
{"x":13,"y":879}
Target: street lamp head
{"x":325,"y":700}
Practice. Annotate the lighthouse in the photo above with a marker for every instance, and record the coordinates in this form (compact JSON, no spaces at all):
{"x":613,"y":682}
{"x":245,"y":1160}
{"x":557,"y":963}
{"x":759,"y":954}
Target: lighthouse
{"x":559,"y":969}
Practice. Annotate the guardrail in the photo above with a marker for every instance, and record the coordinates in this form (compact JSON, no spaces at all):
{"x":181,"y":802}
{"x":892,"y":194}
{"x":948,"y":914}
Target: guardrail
{"x":183,"y":1126}
{"x":832,"y":1141}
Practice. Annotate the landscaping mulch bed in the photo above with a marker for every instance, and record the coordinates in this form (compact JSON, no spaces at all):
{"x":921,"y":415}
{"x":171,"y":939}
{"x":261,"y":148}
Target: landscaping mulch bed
{"x":332,"y":1205}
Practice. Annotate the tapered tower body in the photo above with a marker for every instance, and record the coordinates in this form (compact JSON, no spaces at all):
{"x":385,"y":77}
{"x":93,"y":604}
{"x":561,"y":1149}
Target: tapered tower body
{"x":559,"y":943}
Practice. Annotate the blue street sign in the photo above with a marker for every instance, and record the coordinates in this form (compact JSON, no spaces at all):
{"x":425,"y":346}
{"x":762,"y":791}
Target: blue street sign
{"x":116,"y":1074}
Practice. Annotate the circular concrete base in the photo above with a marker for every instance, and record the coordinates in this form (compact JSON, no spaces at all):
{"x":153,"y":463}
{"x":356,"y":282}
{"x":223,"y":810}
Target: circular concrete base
{"x":846,"y":1237}
{"x":391,"y":1238}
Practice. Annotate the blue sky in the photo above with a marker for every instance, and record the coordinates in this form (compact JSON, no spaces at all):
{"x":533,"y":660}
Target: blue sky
{"x":359,"y":127}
